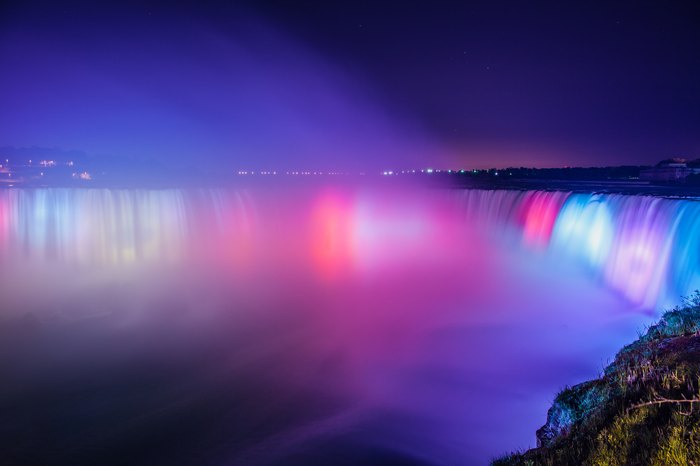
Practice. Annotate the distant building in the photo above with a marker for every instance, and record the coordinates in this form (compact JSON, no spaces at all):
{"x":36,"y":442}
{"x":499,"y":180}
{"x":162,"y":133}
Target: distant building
{"x":673,"y":170}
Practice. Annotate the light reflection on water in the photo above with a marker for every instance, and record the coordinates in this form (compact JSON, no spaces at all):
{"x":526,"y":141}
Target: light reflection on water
{"x":300,"y":326}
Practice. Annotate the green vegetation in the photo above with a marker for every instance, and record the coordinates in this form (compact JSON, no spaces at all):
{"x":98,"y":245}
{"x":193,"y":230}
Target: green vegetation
{"x":644,"y":409}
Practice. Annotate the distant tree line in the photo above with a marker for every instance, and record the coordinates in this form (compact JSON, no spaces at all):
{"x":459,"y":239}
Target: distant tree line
{"x":566,"y":173}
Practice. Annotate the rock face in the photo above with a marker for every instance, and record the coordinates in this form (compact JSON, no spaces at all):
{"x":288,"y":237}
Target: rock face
{"x":644,"y":409}
{"x":571,"y":406}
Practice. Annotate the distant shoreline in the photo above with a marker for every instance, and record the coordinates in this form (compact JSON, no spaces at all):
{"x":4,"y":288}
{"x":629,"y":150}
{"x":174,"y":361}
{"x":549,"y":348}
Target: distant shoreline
{"x":455,"y":181}
{"x":631,"y":187}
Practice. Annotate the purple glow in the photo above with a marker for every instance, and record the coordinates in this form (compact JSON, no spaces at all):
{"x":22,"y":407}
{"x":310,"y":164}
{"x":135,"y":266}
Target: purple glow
{"x":196,"y":97}
{"x":412,"y":309}
{"x":248,"y":233}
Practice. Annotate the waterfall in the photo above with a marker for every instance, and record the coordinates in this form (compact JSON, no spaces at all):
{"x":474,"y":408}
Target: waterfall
{"x":95,"y":226}
{"x":647,"y":248}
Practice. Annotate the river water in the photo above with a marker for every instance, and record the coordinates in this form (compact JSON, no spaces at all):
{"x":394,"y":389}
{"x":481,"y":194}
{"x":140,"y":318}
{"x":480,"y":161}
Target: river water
{"x":320,"y":324}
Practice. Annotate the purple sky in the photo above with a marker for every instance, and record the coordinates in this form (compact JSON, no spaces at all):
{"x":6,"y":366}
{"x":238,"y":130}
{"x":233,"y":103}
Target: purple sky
{"x":353,"y":86}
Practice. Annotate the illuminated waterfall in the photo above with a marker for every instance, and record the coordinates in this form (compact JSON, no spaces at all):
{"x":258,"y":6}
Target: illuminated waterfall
{"x":100,"y":226}
{"x":646,"y":248}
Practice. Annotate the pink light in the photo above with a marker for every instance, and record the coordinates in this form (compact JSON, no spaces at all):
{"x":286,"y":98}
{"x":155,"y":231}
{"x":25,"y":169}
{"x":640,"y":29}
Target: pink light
{"x":332,"y":245}
{"x":538,"y":216}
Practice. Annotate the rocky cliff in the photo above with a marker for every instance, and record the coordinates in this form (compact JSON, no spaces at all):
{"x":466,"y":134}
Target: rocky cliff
{"x":644,"y":409}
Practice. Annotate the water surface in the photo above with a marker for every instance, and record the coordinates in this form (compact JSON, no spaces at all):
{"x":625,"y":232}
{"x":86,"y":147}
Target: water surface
{"x":317,"y":325}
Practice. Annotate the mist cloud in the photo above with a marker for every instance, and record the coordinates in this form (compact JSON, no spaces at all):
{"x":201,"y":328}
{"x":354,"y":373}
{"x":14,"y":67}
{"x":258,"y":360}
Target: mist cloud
{"x":184,"y":91}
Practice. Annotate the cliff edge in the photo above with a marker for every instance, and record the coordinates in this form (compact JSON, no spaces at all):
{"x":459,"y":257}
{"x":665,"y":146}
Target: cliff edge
{"x":644,"y":409}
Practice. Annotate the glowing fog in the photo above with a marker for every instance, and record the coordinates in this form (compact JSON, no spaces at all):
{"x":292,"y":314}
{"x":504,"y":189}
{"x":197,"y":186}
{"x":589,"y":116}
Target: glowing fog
{"x":267,"y":325}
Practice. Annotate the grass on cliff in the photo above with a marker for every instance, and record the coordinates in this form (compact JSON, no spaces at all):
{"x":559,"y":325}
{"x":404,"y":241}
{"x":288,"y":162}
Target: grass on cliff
{"x":647,"y":403}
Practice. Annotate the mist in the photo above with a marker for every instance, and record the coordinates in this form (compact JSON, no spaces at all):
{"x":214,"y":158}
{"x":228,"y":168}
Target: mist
{"x":186,"y":93}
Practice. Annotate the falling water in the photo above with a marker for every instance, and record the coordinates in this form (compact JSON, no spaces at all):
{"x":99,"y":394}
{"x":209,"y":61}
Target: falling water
{"x":644,"y":247}
{"x":278,"y":325}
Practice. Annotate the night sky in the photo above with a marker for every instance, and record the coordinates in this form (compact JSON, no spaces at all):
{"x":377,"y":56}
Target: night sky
{"x":354,"y":85}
